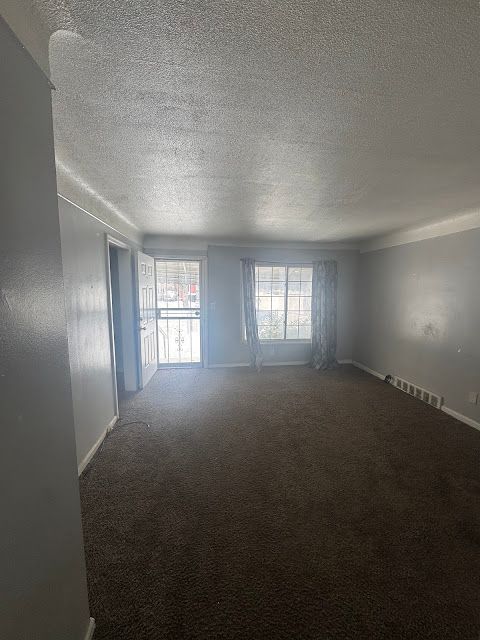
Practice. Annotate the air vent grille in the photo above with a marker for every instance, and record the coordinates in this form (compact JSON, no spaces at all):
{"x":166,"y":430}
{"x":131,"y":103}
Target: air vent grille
{"x":418,"y":392}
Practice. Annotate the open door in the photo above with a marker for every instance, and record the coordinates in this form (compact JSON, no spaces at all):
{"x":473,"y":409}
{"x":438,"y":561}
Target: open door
{"x":147,"y":318}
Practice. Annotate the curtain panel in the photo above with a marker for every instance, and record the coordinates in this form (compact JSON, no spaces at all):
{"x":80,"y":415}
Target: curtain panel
{"x":324,"y":314}
{"x":250,"y":312}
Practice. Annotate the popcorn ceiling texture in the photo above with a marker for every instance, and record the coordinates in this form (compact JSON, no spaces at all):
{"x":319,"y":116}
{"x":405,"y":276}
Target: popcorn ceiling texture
{"x":267,"y":120}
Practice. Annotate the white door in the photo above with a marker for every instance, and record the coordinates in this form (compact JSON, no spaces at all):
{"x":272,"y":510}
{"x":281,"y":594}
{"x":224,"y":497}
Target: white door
{"x":147,"y":318}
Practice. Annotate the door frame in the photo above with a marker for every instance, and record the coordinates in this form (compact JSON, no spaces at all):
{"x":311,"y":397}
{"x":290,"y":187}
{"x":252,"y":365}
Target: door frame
{"x":203,"y":261}
{"x":111,"y":241}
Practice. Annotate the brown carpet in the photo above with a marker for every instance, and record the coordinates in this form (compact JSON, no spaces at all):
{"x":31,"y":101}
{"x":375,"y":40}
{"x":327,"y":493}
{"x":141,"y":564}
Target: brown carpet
{"x":287,"y":504}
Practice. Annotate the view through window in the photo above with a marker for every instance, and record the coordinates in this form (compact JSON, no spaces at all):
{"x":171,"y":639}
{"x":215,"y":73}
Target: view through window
{"x":178,"y":311}
{"x":284,"y":301}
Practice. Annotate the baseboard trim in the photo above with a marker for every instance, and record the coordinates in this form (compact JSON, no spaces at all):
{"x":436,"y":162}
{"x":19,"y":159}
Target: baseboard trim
{"x":286,"y":364}
{"x":228,"y":365}
{"x":112,"y":423}
{"x":451,"y":412}
{"x":90,"y":630}
{"x":372,"y":372}
{"x":272,"y":364}
{"x":265,"y":364}
{"x":461,"y":417}
{"x":93,"y":450}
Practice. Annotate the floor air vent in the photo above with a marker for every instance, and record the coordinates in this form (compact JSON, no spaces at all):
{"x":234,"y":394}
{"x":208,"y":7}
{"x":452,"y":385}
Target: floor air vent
{"x":419,"y":393}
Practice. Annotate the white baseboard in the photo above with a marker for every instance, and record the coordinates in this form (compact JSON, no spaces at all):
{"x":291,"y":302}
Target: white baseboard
{"x":265,"y":364}
{"x":461,"y":417}
{"x":90,"y":630}
{"x":112,"y":423}
{"x":228,"y":365}
{"x":272,"y":364}
{"x":93,"y":450}
{"x":451,"y":412}
{"x":363,"y":367}
{"x":286,"y":364}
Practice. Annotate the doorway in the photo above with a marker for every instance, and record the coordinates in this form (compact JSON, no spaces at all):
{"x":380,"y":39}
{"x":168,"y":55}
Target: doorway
{"x":122,"y":318}
{"x":179,"y":312}
{"x":116,"y":318}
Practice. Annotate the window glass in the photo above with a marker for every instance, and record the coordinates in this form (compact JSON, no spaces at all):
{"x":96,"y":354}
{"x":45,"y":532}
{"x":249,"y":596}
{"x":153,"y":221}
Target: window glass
{"x":284,"y":301}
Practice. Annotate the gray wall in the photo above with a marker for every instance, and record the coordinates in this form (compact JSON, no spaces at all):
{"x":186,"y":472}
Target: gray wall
{"x":85,"y":273}
{"x":225,"y":299}
{"x":24,"y":19}
{"x":43,"y":591}
{"x":419,"y":315}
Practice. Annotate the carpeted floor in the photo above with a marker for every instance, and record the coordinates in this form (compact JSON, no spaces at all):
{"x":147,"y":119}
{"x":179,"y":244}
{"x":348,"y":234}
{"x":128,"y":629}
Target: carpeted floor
{"x":288,"y":504}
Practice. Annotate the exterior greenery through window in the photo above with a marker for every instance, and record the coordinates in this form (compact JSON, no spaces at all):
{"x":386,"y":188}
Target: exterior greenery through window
{"x":283,"y":301}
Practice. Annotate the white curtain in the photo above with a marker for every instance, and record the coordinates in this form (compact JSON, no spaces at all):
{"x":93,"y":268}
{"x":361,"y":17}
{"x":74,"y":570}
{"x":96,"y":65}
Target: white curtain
{"x":324,"y":314}
{"x":250,"y":312}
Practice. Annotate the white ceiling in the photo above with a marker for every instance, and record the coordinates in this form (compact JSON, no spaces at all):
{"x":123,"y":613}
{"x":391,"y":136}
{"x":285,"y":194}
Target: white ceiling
{"x":327,"y":120}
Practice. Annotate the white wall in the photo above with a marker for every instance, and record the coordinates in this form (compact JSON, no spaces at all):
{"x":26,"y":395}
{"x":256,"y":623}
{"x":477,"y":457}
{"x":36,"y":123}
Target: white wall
{"x":85,"y":273}
{"x":43,"y":590}
{"x":418,"y":315}
{"x":225,"y":345}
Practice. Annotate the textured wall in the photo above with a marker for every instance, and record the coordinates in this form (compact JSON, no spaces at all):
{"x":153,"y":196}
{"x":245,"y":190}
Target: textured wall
{"x":43,"y":591}
{"x":418,"y":315}
{"x":85,"y":272}
{"x":224,"y":291}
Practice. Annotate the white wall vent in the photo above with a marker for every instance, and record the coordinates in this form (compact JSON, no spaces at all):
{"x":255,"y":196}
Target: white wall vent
{"x":417,"y":392}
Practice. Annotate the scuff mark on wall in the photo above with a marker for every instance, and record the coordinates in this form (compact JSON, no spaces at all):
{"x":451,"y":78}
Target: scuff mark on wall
{"x":4,"y":300}
{"x":431,"y":331}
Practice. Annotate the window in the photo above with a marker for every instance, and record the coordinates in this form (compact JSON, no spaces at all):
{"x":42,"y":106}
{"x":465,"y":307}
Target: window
{"x":284,"y":301}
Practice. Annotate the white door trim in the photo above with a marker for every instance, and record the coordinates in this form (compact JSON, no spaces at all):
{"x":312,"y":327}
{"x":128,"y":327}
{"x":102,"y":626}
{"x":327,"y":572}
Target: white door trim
{"x":112,"y":241}
{"x":204,"y":309}
{"x":109,"y":240}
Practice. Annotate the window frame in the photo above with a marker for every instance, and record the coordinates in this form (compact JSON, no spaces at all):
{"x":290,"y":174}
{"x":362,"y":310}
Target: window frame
{"x":286,"y":266}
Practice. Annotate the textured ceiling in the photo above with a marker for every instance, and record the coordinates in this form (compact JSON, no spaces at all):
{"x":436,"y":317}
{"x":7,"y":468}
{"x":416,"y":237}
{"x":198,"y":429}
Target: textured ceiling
{"x":268,"y":120}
